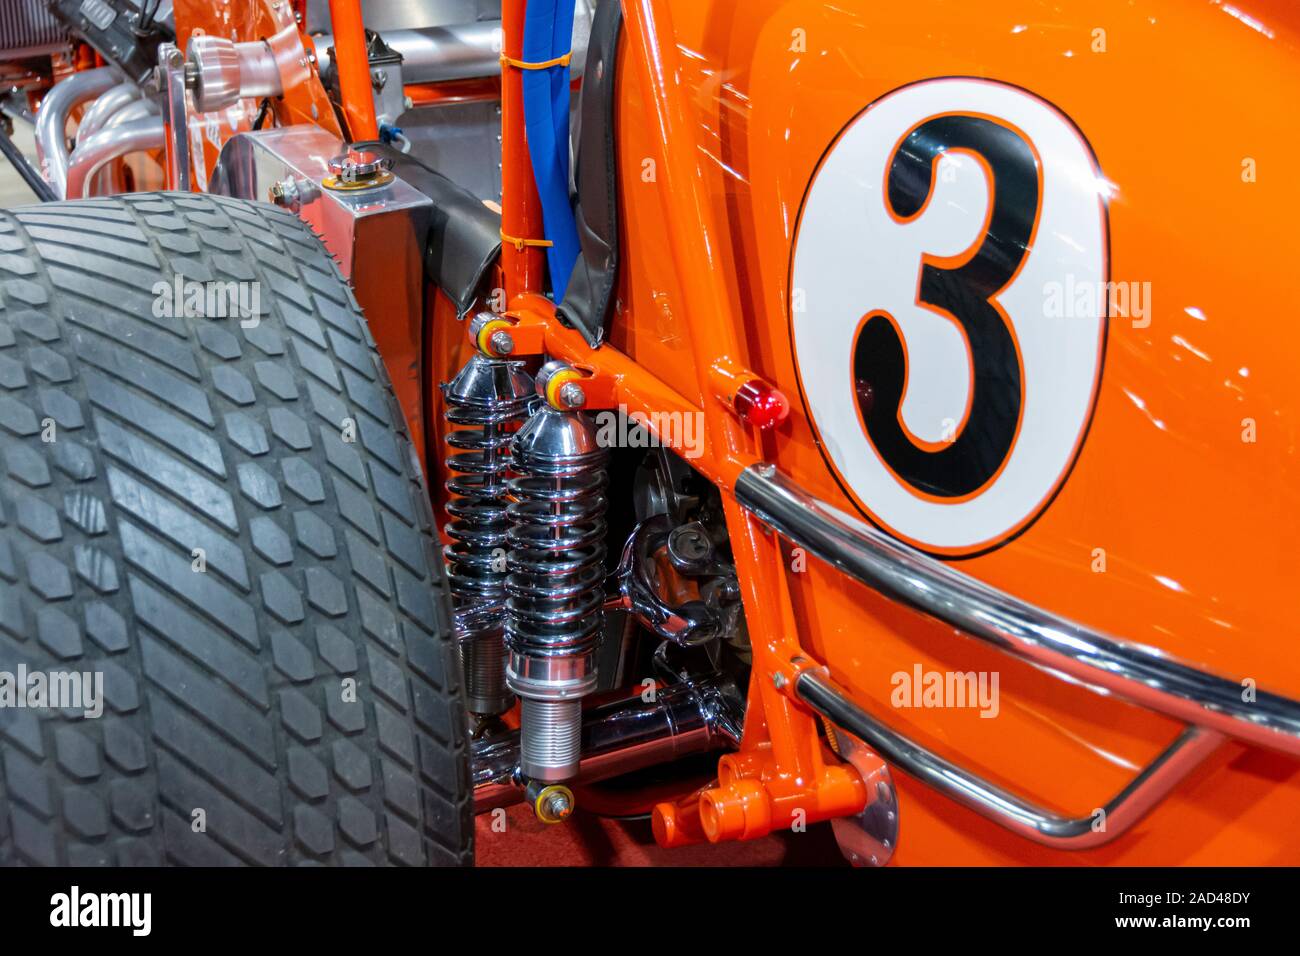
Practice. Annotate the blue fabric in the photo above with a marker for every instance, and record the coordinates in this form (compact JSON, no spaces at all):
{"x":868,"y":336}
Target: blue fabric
{"x":548,"y":33}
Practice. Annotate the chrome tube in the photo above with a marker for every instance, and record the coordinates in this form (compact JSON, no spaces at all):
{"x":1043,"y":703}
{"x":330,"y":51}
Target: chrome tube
{"x":434,"y":54}
{"x":108,"y":145}
{"x":621,"y":736}
{"x":137,"y":110}
{"x":109,"y":179}
{"x":1146,"y":676}
{"x":52,"y":118}
{"x":98,"y":113}
{"x":1126,"y":808}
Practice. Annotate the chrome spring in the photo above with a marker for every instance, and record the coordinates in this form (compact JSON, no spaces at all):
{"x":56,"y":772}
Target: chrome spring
{"x":557,"y":556}
{"x":485,"y":402}
{"x":555,"y":588}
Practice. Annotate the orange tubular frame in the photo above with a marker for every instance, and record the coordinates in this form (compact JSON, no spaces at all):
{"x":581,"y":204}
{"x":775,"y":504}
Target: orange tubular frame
{"x":521,"y":209}
{"x":783,"y":773}
{"x":771,"y":783}
{"x":353,"y":67}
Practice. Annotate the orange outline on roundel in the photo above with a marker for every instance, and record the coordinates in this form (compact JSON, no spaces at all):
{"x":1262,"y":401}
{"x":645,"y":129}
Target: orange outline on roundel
{"x":1040,"y":506}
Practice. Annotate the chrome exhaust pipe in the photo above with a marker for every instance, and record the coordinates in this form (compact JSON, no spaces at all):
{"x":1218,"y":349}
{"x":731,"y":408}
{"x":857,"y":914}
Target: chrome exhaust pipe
{"x":52,"y":118}
{"x":98,"y":112}
{"x":109,"y":179}
{"x":621,"y":736}
{"x":109,"y":144}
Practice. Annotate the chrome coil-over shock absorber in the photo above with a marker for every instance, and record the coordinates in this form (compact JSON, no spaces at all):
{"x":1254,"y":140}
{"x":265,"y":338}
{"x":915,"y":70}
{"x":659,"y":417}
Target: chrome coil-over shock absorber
{"x":485,"y":402}
{"x":555,"y":589}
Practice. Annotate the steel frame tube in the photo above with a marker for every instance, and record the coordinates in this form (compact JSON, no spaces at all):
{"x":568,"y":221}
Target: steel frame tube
{"x":353,"y":66}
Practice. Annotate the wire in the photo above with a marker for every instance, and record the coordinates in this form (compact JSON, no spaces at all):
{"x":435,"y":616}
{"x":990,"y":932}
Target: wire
{"x":44,"y":192}
{"x":147,"y":12}
{"x":262,"y":112}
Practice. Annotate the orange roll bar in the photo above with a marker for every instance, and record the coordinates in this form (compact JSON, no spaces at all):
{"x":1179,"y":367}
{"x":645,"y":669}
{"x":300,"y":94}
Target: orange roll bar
{"x":521,"y":209}
{"x":353,"y":67}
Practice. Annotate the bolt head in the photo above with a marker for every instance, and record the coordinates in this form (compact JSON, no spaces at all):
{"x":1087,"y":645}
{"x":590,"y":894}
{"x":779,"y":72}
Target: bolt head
{"x":501,"y":342}
{"x":690,"y":542}
{"x":572,"y":396}
{"x":779,"y":681}
{"x":282,"y":193}
{"x":558,"y":806}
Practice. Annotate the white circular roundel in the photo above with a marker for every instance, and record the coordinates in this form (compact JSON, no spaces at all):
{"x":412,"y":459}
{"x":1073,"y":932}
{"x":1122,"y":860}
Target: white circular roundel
{"x":948,"y":309}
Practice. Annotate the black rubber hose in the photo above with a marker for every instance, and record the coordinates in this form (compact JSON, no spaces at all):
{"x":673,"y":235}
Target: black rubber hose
{"x":44,"y":191}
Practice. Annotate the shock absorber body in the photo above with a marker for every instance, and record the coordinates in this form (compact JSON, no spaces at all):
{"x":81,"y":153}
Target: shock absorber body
{"x":555,"y":589}
{"x":485,"y":402}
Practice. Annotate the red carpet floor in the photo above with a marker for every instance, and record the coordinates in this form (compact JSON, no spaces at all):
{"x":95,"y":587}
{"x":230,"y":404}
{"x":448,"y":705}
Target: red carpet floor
{"x":589,"y":840}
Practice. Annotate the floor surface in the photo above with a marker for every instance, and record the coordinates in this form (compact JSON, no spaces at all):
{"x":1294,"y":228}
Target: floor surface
{"x":588,"y":840}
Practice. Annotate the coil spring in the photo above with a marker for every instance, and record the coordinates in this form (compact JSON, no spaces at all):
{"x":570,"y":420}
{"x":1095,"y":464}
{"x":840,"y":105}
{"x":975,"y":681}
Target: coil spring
{"x":557,"y":550}
{"x":555,"y":589}
{"x":485,"y":402}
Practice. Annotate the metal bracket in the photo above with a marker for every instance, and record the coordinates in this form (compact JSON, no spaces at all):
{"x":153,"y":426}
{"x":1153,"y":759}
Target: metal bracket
{"x":869,"y":837}
{"x":171,"y":83}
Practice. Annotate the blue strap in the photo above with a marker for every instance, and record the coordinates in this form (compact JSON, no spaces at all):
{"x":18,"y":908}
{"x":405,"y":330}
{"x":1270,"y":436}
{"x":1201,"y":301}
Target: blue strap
{"x":548,"y":33}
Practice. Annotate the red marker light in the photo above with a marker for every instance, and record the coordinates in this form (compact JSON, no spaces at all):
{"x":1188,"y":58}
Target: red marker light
{"x":760,"y":405}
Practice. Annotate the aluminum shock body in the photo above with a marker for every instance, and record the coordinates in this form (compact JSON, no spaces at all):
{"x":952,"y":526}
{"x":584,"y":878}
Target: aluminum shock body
{"x":485,"y":402}
{"x":555,"y":588}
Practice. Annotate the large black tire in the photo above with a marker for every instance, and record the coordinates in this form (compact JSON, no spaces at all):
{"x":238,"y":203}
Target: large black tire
{"x":229,"y":733}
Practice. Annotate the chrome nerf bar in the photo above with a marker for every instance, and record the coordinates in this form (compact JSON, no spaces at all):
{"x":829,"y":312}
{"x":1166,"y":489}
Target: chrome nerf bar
{"x":1143,"y":675}
{"x":1020,"y":816}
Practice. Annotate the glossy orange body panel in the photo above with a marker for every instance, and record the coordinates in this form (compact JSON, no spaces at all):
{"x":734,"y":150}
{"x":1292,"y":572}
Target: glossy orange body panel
{"x":1194,"y":522}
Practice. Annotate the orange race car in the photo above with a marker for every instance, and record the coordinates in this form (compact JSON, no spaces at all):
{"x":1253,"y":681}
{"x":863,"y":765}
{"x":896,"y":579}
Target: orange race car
{"x":741,"y":415}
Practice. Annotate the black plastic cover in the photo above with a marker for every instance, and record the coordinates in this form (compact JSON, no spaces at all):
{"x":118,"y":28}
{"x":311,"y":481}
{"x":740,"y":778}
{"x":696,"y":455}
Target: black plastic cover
{"x":590,"y":293}
{"x":113,"y":29}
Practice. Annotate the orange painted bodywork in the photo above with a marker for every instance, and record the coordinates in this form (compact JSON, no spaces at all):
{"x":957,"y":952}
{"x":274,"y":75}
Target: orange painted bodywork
{"x":1196,"y":524}
{"x":1164,"y":484}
